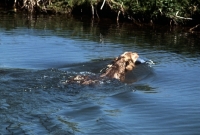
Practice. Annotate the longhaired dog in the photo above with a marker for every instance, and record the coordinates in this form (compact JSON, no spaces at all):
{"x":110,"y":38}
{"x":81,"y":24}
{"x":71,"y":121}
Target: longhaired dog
{"x":117,"y":70}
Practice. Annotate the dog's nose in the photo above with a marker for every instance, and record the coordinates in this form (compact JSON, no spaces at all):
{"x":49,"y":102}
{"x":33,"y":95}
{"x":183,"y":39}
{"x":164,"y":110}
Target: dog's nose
{"x":139,"y":61}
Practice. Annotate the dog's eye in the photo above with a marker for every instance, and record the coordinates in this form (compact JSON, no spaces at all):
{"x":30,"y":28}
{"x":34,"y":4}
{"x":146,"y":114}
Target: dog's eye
{"x":127,"y":63}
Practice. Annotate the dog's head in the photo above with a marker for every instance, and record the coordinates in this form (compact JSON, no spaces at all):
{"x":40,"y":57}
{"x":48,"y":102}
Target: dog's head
{"x":130,"y":59}
{"x":121,"y":65}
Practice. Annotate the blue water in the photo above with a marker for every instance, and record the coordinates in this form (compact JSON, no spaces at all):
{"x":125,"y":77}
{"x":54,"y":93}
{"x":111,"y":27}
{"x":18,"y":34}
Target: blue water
{"x":38,"y":56}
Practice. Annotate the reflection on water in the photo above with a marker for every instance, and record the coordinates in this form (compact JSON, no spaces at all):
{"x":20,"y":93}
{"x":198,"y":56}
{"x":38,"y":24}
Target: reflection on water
{"x":145,"y":88}
{"x":38,"y":54}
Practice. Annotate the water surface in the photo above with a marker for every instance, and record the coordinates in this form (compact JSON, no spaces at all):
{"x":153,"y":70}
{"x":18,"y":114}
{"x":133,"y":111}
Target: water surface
{"x":37,"y":54}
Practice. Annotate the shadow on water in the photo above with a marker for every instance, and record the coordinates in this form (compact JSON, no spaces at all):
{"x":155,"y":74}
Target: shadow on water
{"x":37,"y":54}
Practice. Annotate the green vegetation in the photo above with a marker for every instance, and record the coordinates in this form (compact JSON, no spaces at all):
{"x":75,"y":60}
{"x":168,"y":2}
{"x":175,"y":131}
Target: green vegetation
{"x":175,"y":10}
{"x":148,"y":11}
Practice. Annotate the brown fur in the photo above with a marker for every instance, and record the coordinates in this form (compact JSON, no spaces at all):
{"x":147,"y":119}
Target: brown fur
{"x":120,"y":66}
{"x":82,"y":79}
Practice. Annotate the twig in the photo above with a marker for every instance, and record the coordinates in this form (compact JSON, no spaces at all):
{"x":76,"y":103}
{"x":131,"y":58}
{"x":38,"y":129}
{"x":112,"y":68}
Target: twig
{"x":137,"y":2}
{"x":103,"y":4}
{"x":14,"y":5}
{"x":96,"y":13}
{"x":118,"y":15}
{"x":193,"y":28}
{"x":92,"y":10}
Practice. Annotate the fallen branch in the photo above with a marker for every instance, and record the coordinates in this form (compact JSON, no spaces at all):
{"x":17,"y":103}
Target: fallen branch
{"x":182,"y":17}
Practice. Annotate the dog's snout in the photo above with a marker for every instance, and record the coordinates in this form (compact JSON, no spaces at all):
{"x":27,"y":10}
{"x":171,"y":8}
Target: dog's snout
{"x":139,"y":61}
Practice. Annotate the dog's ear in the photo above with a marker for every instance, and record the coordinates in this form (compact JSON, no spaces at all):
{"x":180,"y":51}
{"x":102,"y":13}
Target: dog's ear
{"x":134,"y":57}
{"x":130,"y":65}
{"x":127,"y":56}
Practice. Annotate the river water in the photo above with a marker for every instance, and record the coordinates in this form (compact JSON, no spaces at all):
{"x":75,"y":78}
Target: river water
{"x":37,"y":54}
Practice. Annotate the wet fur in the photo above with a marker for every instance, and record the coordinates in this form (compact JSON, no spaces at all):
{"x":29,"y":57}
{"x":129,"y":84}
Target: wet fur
{"x":121,"y":65}
{"x":117,"y":69}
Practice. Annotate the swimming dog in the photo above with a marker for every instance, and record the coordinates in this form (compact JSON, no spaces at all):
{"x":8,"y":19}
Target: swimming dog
{"x":117,"y":70}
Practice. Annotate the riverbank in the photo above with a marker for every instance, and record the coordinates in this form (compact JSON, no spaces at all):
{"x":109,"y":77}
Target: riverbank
{"x":184,"y":13}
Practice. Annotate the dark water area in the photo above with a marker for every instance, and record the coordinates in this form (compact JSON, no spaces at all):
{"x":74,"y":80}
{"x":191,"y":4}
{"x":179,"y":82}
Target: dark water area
{"x":38,"y":54}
